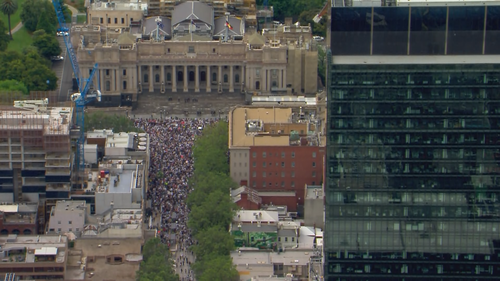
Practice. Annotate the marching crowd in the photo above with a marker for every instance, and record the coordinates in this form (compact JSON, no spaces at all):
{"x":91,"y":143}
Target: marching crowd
{"x":171,"y":166}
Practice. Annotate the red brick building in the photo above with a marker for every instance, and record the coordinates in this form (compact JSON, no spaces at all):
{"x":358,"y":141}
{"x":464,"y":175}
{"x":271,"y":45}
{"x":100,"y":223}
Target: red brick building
{"x":286,"y":168}
{"x":280,"y":148}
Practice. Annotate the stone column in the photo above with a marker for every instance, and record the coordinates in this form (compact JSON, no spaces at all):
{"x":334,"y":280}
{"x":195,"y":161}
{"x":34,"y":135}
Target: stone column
{"x":151,"y":81}
{"x":219,"y":78}
{"x":117,"y":80}
{"x":174,"y":79}
{"x":101,"y":77}
{"x":209,"y":79}
{"x":139,"y":78}
{"x":269,"y":80}
{"x":231,"y":79}
{"x":242,"y":78}
{"x":162,"y":78}
{"x":197,"y":78}
{"x":280,"y":81}
{"x":185,"y":78}
{"x":113,"y":81}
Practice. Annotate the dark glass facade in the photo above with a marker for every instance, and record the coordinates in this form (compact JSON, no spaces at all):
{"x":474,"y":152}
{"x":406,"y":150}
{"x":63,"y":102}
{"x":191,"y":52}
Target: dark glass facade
{"x":455,"y":30}
{"x":413,"y":167}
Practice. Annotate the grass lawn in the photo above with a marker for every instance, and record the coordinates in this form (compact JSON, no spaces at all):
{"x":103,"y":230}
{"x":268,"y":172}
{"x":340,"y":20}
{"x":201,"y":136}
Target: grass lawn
{"x":81,"y":18}
{"x":15,"y":18}
{"x":22,"y":38}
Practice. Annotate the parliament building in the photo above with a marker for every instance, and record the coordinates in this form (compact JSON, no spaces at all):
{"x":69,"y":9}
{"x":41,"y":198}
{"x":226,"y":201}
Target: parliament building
{"x":194,"y":48}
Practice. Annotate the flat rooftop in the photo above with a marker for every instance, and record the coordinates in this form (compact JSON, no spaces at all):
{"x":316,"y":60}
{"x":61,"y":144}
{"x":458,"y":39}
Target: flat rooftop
{"x":314,"y":192}
{"x":47,"y":248}
{"x":64,"y":205}
{"x":52,"y":120}
{"x":24,"y":213}
{"x":275,"y":126}
{"x":289,"y":257}
{"x":129,"y":248}
{"x":133,"y":5}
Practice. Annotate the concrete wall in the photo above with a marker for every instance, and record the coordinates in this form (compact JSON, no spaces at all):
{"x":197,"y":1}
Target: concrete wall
{"x":314,"y":212}
{"x":239,"y":166}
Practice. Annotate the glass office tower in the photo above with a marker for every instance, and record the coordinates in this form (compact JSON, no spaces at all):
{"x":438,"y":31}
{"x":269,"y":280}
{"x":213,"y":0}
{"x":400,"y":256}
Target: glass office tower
{"x":413,"y":159}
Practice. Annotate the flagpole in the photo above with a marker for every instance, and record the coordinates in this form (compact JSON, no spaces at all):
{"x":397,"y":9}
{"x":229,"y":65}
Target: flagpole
{"x":226,"y":36}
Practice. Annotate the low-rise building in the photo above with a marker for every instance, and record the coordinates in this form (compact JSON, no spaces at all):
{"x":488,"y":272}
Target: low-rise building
{"x":257,"y":229}
{"x":67,"y":216}
{"x":19,"y":218}
{"x":120,"y":178}
{"x":113,"y":259}
{"x":255,"y":264}
{"x":278,"y":145}
{"x":115,"y":223}
{"x":34,"y":257}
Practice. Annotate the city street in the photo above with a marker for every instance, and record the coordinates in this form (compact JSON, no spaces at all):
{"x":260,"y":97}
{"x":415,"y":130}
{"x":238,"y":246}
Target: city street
{"x":64,"y":72}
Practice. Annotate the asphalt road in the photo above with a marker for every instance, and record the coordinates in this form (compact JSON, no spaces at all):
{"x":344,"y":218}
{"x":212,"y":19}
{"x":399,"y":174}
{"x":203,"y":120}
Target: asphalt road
{"x":63,"y":71}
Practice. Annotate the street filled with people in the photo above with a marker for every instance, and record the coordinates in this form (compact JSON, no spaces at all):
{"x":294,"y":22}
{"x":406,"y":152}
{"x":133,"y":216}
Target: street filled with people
{"x":171,"y":166}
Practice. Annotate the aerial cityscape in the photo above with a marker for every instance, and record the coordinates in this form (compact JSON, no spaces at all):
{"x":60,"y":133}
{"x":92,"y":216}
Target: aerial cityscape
{"x":252,"y":140}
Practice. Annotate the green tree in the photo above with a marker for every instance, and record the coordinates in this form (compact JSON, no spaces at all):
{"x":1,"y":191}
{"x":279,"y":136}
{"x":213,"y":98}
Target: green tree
{"x":156,"y":264}
{"x":36,"y":77}
{"x":8,"y":8}
{"x":217,"y":210}
{"x":4,"y":37}
{"x":306,"y":18}
{"x":45,"y":24}
{"x":47,"y":45}
{"x":213,"y":241}
{"x":13,"y":86}
{"x":211,"y":148}
{"x":205,"y":183}
{"x":31,"y":10}
{"x":216,"y":268}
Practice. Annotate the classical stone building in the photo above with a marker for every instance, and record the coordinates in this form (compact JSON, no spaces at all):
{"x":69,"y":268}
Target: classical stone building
{"x":192,"y":51}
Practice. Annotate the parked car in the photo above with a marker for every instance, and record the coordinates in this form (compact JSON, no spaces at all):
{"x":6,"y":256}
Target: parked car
{"x":318,"y":38}
{"x":62,"y":33}
{"x":57,"y":58}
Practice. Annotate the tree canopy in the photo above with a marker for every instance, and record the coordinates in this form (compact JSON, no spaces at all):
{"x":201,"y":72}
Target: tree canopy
{"x":47,"y":45}
{"x":100,"y":120}
{"x":13,"y":86}
{"x":29,"y":68}
{"x":156,"y":264}
{"x":32,"y":10}
{"x":211,"y":206}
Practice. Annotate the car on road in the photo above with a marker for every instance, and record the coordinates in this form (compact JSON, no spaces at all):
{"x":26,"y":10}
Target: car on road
{"x":54,"y":58}
{"x":62,"y":33}
{"x":318,"y":38}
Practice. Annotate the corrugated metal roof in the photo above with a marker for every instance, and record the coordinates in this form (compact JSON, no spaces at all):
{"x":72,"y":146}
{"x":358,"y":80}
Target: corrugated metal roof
{"x":46,"y":251}
{"x":9,"y":208}
{"x":199,"y":12}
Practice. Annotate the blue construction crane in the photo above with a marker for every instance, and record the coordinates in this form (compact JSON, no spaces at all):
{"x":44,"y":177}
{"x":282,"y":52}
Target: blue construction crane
{"x":84,"y":84}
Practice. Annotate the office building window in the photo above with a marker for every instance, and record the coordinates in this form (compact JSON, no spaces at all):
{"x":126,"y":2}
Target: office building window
{"x":263,"y":155}
{"x":314,"y":154}
{"x":293,"y":164}
{"x":314,"y":164}
{"x":264,"y":164}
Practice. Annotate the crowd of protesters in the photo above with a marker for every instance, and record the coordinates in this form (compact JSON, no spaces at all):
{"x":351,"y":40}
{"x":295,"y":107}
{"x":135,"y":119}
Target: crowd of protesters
{"x":171,"y":166}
